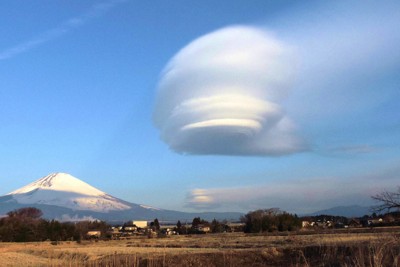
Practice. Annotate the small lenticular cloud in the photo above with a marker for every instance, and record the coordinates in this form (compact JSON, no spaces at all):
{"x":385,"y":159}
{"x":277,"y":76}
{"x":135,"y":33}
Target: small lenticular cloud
{"x":220,"y":95}
{"x":199,"y":199}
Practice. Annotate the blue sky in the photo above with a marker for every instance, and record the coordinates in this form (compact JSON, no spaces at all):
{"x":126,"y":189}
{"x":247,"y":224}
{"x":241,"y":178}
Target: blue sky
{"x":82,"y":85}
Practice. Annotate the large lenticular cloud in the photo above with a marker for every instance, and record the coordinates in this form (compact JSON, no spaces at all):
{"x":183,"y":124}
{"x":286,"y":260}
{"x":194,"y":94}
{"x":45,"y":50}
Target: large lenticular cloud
{"x":221,"y":95}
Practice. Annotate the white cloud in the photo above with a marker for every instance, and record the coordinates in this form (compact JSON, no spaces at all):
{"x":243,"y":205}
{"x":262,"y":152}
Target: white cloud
{"x":301,"y":197}
{"x":201,"y":198}
{"x":76,"y":218}
{"x":285,"y":195}
{"x":304,"y":195}
{"x":221,"y":94}
{"x":95,"y":11}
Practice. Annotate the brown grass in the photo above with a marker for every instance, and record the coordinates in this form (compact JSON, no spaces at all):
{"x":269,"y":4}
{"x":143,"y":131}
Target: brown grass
{"x":230,"y":249}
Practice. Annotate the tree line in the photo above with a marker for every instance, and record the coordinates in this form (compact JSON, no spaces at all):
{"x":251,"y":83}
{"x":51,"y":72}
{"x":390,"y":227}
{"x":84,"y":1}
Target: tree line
{"x":198,"y":226}
{"x":270,"y":220}
{"x":267,"y":220}
{"x":26,"y":225}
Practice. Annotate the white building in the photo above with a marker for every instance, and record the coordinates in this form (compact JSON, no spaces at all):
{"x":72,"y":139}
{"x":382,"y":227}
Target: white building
{"x":140,"y":224}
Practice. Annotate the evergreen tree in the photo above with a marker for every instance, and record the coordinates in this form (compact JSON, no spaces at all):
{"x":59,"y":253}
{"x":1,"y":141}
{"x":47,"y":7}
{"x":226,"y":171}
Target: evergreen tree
{"x":156,"y":225}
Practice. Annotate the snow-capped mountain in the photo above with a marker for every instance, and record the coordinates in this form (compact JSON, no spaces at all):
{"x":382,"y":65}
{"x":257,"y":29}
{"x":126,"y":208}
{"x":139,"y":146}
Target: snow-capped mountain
{"x":64,"y":197}
{"x":61,"y":189}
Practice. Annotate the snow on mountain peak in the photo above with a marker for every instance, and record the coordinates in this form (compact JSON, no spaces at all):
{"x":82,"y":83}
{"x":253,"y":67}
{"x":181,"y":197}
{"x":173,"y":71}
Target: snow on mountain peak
{"x":62,"y":189}
{"x":60,"y":182}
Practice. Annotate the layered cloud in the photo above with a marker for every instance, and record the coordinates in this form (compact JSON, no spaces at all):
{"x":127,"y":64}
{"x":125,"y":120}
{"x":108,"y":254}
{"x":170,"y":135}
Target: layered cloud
{"x":286,"y":195}
{"x":222,"y":93}
{"x":304,"y":195}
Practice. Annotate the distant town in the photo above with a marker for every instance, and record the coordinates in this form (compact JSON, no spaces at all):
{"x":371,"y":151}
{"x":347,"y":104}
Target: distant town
{"x":26,"y":224}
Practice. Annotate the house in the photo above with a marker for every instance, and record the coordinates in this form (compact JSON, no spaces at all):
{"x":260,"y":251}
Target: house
{"x":353,"y":223}
{"x":115,"y":232}
{"x":203,"y":228}
{"x":151,"y":233}
{"x":169,"y":231}
{"x":129,"y":228}
{"x":133,"y":228}
{"x":139,"y":224}
{"x":93,"y":234}
{"x":377,"y":221}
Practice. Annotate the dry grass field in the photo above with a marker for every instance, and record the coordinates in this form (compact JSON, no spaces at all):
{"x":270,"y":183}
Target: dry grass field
{"x":341,"y":248}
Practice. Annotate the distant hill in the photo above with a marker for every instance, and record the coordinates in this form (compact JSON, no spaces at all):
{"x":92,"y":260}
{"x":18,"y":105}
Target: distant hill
{"x":63,"y":197}
{"x":346,"y":211}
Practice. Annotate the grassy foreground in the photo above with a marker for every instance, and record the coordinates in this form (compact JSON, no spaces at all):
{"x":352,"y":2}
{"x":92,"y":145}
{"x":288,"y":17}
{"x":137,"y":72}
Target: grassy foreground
{"x":343,"y":248}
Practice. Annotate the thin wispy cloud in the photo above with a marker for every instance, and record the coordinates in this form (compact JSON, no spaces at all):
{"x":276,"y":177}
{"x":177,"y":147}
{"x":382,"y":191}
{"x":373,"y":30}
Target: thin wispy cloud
{"x":65,"y":27}
{"x":355,"y":149}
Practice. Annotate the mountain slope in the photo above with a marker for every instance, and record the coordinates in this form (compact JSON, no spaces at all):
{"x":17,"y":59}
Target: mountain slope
{"x":61,"y":189}
{"x":63,"y":197}
{"x":346,"y":211}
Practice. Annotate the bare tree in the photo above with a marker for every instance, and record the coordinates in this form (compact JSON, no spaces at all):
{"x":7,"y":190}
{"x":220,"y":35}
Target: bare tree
{"x":388,"y":200}
{"x":28,"y":212}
